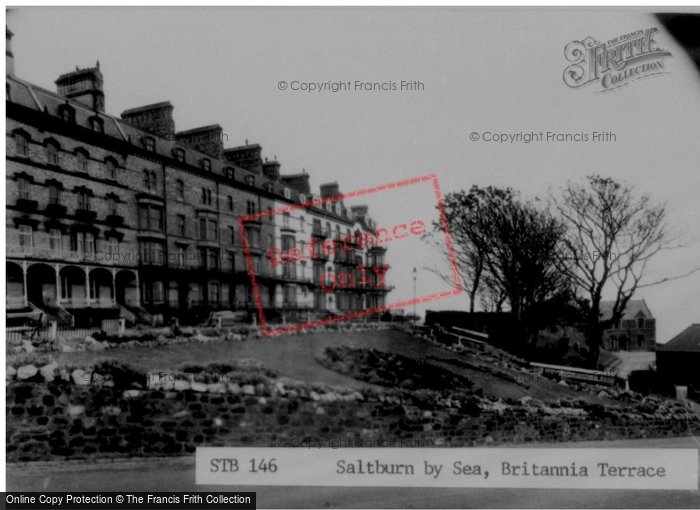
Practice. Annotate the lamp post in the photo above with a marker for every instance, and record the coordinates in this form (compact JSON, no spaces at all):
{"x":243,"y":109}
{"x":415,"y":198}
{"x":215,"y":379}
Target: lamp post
{"x":415,"y":272}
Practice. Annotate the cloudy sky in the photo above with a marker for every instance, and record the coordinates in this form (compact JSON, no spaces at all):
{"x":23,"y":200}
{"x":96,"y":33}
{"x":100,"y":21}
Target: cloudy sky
{"x":482,"y":70}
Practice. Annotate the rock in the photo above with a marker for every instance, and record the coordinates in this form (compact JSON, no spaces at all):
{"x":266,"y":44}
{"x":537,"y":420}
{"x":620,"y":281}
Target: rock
{"x":262,"y":401}
{"x":131,"y":393}
{"x":74,"y":410}
{"x":314,"y":396}
{"x":182,"y":385}
{"x":28,"y":347}
{"x":216,"y":387}
{"x":525,"y":400}
{"x":234,"y":388}
{"x":180,"y":414}
{"x":111,"y":411}
{"x":93,"y":345}
{"x":563,"y":383}
{"x":248,"y":389}
{"x":10,"y":373}
{"x":48,"y":372}
{"x":26,"y":372}
{"x":320,"y":410}
{"x":81,"y":377}
{"x":488,"y":440}
{"x":199,"y":387}
{"x":218,"y":422}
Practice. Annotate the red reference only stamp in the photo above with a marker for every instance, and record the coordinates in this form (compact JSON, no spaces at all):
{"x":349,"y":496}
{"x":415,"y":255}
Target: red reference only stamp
{"x":329,"y":265}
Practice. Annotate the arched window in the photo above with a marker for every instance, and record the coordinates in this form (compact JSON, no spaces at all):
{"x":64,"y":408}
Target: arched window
{"x":21,"y":145}
{"x":111,"y":167}
{"x":82,"y":160}
{"x":150,"y":180}
{"x":52,"y":153}
{"x":180,"y":190}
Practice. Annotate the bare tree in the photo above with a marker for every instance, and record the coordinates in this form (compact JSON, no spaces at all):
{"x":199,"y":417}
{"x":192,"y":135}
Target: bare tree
{"x":611,"y":236}
{"x":460,"y":212}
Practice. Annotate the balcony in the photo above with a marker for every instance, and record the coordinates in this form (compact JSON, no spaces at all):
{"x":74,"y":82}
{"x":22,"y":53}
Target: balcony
{"x":56,"y":210}
{"x":85,"y":215}
{"x":27,"y":205}
{"x":115,"y":220}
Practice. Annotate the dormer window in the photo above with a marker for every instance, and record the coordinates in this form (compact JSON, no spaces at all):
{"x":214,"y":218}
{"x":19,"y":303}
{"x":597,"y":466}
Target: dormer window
{"x":250,"y":180}
{"x":302,"y":198}
{"x":269,"y":187}
{"x":228,"y":172}
{"x":179,"y":155}
{"x":97,"y":124}
{"x":287,"y":193}
{"x":150,"y":144}
{"x":52,"y":153}
{"x":67,"y":113}
{"x":206,"y":164}
{"x":21,"y":145}
{"x":82,"y":159}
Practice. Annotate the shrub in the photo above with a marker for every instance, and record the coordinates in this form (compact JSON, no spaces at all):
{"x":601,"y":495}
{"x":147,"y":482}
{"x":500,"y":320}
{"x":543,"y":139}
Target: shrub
{"x":34,"y":358}
{"x":122,"y":374}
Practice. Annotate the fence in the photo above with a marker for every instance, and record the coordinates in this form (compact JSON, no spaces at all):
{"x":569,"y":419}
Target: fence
{"x":62,"y":328}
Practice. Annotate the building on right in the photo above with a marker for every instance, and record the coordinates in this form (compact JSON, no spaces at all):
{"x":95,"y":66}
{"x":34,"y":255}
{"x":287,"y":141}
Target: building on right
{"x":636,"y":331}
{"x":678,"y":360}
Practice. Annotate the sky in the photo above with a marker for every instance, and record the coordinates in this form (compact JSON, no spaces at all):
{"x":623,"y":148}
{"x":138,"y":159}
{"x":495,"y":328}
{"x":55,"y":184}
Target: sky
{"x":481,"y":70}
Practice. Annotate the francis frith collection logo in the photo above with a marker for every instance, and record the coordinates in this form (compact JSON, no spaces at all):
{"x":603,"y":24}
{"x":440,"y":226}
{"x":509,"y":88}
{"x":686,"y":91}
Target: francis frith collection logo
{"x":615,"y":63}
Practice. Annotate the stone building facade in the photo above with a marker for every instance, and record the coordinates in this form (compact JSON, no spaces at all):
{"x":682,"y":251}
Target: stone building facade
{"x":636,"y":331}
{"x":124,"y":216}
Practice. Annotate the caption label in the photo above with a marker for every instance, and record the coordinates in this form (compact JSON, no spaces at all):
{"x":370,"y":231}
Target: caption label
{"x":556,"y":468}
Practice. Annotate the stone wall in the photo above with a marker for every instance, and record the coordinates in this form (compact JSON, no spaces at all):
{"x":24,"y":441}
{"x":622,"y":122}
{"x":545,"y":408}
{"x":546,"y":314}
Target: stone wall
{"x":67,"y":418}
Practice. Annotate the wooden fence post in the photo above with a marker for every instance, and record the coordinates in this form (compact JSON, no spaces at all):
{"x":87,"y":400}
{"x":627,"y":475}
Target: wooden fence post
{"x":53,"y":330}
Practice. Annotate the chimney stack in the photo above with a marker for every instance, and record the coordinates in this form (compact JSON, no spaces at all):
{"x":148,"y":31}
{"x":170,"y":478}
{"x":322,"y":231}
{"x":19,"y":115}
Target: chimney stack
{"x":330,"y":189}
{"x":9,"y":57}
{"x":359,"y":212}
{"x":84,"y":86}
{"x":155,"y":118}
{"x":208,"y":139}
{"x":271,"y":170}
{"x":246,"y":156}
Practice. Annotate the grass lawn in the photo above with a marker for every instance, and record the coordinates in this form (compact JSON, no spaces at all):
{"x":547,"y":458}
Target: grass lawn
{"x":293,"y":356}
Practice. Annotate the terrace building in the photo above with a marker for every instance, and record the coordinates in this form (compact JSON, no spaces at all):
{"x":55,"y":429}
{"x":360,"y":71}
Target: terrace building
{"x":124,"y":216}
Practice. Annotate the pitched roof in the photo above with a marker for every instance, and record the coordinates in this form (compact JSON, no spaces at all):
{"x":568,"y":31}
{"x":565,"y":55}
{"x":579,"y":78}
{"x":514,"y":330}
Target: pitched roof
{"x":687,"y":340}
{"x":634,"y":307}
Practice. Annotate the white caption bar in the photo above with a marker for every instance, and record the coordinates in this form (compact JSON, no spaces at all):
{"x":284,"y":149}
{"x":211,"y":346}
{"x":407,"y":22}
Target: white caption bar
{"x":542,"y":468}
